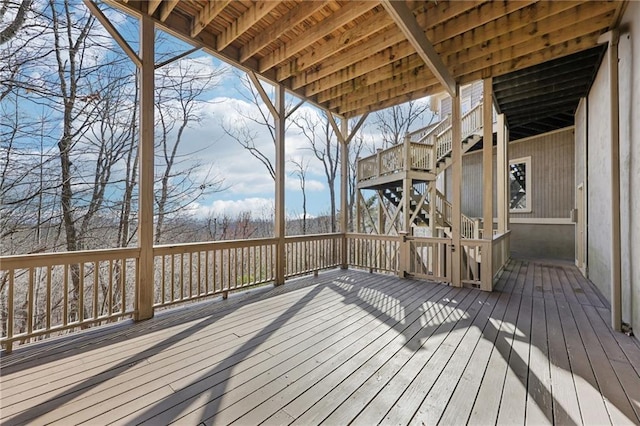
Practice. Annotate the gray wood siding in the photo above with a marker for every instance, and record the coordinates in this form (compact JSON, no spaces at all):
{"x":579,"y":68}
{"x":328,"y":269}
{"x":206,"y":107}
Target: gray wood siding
{"x":553,"y":173}
{"x":552,"y":176}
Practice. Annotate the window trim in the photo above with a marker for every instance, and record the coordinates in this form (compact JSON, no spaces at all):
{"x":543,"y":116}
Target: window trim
{"x":527,"y":180}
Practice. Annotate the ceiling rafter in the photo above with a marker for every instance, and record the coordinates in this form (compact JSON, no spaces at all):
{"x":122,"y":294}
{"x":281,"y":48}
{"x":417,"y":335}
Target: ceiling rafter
{"x":322,"y":29}
{"x":166,"y":8}
{"x":247,"y":20}
{"x":315,"y":54}
{"x":408,"y":24}
{"x":457,"y":20}
{"x":547,"y":22}
{"x":294,"y":17}
{"x":207,"y":14}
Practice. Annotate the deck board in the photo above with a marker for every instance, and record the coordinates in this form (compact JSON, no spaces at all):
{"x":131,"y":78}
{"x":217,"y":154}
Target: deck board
{"x":345,"y":347}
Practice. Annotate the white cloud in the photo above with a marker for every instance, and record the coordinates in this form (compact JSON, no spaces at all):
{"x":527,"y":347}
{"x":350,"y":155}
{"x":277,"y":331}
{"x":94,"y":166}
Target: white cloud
{"x":260,"y":208}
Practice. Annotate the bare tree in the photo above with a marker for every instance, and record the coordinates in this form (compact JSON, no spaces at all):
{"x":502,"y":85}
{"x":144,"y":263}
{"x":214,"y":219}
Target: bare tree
{"x":18,"y":19}
{"x":395,"y":122}
{"x":178,"y":102}
{"x":300,"y":171}
{"x":325,"y":147}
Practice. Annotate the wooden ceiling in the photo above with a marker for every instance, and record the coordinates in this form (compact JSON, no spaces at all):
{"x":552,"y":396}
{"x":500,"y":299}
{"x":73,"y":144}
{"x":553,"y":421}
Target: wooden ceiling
{"x":352,"y":57}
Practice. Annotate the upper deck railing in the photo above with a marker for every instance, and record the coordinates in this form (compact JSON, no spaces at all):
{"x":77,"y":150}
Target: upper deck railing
{"x":421,"y":150}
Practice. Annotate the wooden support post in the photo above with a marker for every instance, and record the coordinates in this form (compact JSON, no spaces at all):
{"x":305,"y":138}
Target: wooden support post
{"x":344,"y":188}
{"x":456,"y":202}
{"x":280,"y":231}
{"x":502,"y":173}
{"x":616,"y":266}
{"x":487,"y":183}
{"x":432,"y":208}
{"x":407,"y":189}
{"x":487,"y":159}
{"x":145,"y":284}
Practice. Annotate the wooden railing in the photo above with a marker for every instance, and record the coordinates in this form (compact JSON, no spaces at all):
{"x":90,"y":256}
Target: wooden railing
{"x":471,"y":123}
{"x":48,"y":294}
{"x":468,"y":226}
{"x":429,"y":258}
{"x":425,"y":147}
{"x":186,"y":272}
{"x":43,"y":295}
{"x":500,"y":253}
{"x":311,"y":253}
{"x":374,"y":252}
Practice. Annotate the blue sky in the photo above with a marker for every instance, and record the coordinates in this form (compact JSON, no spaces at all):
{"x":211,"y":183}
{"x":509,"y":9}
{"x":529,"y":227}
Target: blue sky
{"x":249,"y":186}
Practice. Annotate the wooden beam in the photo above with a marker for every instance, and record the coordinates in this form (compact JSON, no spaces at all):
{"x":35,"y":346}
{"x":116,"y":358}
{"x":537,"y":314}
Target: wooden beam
{"x":342,"y":17}
{"x":359,"y":60}
{"x":430,"y":15}
{"x":207,"y":14}
{"x":248,"y":19}
{"x":355,"y":128}
{"x":95,"y":10}
{"x":362,"y":107}
{"x":522,"y":25}
{"x":502,"y":175}
{"x":152,"y":6}
{"x":263,"y":94}
{"x":280,"y":225}
{"x":379,"y":96}
{"x":145,"y":284}
{"x":377,"y":22}
{"x":408,"y":24}
{"x":487,"y":159}
{"x":166,"y":8}
{"x":520,"y":59}
{"x":285,"y":23}
{"x":352,"y":64}
{"x":456,"y":201}
{"x":570,"y":39}
{"x":344,"y":189}
{"x":392,"y":72}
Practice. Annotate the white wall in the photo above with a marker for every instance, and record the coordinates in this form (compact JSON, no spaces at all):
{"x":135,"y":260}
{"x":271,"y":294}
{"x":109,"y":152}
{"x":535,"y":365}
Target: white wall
{"x":598,"y":177}
{"x":629,"y":81}
{"x":599,"y":182}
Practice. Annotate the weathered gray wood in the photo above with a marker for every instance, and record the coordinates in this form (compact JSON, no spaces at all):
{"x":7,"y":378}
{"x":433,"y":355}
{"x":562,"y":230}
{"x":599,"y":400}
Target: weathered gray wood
{"x":592,"y":406}
{"x":539,"y":408}
{"x":345,"y":347}
{"x":459,"y":407}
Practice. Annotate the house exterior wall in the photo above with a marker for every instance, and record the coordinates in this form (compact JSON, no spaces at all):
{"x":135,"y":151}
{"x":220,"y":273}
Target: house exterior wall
{"x":599,"y":181}
{"x":593,"y":158}
{"x":547,"y":230}
{"x":629,"y":83}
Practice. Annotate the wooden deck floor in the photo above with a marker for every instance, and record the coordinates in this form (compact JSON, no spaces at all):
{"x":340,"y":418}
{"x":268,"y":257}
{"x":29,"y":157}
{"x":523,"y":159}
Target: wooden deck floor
{"x":345,"y":347}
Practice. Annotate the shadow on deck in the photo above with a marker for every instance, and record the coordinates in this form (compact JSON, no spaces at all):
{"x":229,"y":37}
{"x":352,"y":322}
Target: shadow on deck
{"x":347,"y":346}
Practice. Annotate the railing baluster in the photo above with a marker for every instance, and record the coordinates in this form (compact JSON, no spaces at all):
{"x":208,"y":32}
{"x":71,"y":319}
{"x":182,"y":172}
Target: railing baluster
{"x":65,"y":297}
{"x":95,"y":289}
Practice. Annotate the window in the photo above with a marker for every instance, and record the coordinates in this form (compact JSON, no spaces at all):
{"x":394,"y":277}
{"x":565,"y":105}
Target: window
{"x":519,"y":184}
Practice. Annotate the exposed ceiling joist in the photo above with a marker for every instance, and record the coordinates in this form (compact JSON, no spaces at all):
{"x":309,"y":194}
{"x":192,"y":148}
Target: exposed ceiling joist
{"x":247,"y":20}
{"x":207,"y":14}
{"x":407,"y":23}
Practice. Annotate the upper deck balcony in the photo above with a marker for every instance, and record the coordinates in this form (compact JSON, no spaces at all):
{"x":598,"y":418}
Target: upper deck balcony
{"x":423,"y":154}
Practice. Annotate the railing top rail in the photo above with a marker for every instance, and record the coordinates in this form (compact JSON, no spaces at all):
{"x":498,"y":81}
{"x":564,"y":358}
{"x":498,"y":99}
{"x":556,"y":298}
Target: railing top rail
{"x":314,"y":237}
{"x":210,"y":245}
{"x":375,"y":236}
{"x":498,"y":237}
{"x":35,"y":260}
{"x":431,"y":240}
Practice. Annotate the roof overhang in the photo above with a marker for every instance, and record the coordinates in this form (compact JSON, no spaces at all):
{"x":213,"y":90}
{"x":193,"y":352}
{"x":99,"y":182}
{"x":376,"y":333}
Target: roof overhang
{"x":351,"y":57}
{"x":544,"y":97}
